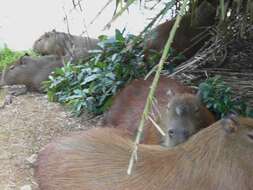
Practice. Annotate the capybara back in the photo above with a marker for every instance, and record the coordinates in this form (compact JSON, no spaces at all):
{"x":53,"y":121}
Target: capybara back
{"x":218,"y":157}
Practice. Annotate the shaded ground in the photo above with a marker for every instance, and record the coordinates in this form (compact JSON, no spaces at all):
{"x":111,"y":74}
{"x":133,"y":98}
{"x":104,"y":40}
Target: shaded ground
{"x":26,"y":125}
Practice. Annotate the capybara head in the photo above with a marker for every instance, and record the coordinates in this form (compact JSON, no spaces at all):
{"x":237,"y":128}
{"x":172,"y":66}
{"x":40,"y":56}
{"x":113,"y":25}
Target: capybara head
{"x":61,"y":44}
{"x":204,"y":14}
{"x":185,"y":115}
{"x":31,"y":71}
{"x":239,"y":132}
{"x":50,"y":43}
{"x":218,"y":157}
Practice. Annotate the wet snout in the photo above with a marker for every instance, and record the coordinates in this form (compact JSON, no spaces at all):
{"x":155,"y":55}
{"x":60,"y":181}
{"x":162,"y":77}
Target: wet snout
{"x":175,"y":136}
{"x":178,"y":133}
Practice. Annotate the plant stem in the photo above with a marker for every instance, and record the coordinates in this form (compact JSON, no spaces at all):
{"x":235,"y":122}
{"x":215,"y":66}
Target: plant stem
{"x":154,"y":85}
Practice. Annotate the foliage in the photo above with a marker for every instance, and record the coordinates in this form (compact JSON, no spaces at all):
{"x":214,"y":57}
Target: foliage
{"x":91,"y":85}
{"x":8,"y":56}
{"x":218,"y":98}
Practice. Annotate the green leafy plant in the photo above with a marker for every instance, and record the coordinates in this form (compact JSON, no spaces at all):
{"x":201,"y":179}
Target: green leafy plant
{"x":219,"y":99}
{"x":91,"y":84}
{"x":8,"y":56}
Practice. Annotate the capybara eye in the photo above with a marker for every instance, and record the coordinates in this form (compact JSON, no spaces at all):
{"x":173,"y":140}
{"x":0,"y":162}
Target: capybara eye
{"x":11,"y":67}
{"x":197,"y":108}
{"x":250,"y":136}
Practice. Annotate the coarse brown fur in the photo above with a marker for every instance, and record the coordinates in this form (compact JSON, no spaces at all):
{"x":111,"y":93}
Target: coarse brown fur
{"x":60,"y":43}
{"x":217,"y":158}
{"x":31,"y":71}
{"x":184,"y":38}
{"x":128,"y":105}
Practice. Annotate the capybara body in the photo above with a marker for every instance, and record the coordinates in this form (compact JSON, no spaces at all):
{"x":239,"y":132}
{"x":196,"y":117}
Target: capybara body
{"x":31,"y":71}
{"x":184,"y":116}
{"x":60,"y":43}
{"x":184,"y":40}
{"x":218,"y":157}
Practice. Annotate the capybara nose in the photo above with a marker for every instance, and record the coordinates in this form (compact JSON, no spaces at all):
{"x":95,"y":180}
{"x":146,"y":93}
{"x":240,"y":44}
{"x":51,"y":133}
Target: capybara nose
{"x":179,"y":133}
{"x":171,"y":132}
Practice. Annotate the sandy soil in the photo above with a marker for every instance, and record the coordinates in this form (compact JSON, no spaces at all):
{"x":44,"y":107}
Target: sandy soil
{"x":26,"y":125}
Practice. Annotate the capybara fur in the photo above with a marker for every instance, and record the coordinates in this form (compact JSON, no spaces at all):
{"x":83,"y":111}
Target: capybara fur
{"x":60,"y":43}
{"x":31,"y":71}
{"x":184,"y":40}
{"x":217,"y":158}
{"x":178,"y":111}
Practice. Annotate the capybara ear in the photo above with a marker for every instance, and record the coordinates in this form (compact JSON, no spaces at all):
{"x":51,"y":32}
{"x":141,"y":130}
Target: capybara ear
{"x":170,"y":93}
{"x":47,"y":35}
{"x":230,"y":124}
{"x":21,"y":61}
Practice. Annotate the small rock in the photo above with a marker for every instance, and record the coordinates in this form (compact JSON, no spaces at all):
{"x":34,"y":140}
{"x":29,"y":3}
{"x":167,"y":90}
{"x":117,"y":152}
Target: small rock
{"x":8,"y":99}
{"x":26,"y":187}
{"x":17,"y":90}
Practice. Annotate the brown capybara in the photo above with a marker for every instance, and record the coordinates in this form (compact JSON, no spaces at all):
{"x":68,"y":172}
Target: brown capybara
{"x":31,"y":71}
{"x":217,"y":158}
{"x":60,"y":43}
{"x":184,"y":116}
{"x":184,"y":40}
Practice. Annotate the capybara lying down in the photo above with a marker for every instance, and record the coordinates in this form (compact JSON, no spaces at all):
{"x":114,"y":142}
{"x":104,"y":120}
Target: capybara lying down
{"x":60,"y":43}
{"x":31,"y":71}
{"x":217,"y":158}
{"x":184,"y":40}
{"x":181,"y":112}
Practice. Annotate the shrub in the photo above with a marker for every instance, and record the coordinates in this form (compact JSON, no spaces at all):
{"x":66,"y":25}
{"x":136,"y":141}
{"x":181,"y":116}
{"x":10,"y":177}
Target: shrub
{"x":218,"y":97}
{"x":91,"y":84}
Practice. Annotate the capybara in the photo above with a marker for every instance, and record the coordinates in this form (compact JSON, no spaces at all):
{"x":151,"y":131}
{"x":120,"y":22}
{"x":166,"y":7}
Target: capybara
{"x":184,"y":38}
{"x":181,"y":112}
{"x":31,"y":71}
{"x":60,"y":43}
{"x":218,"y":157}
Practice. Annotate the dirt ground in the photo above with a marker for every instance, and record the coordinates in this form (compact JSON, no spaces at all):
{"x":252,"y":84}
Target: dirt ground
{"x":26,"y":125}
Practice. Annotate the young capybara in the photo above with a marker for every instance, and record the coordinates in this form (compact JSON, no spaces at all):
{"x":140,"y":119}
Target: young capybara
{"x":60,"y":43}
{"x":31,"y":71}
{"x":189,"y":28}
{"x":180,"y":113}
{"x":217,"y":158}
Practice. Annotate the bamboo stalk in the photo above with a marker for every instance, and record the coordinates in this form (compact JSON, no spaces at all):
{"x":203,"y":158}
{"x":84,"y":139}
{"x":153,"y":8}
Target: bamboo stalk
{"x":100,"y":11}
{"x":129,"y":2}
{"x":222,"y":9}
{"x":154,"y":85}
{"x":157,"y":126}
